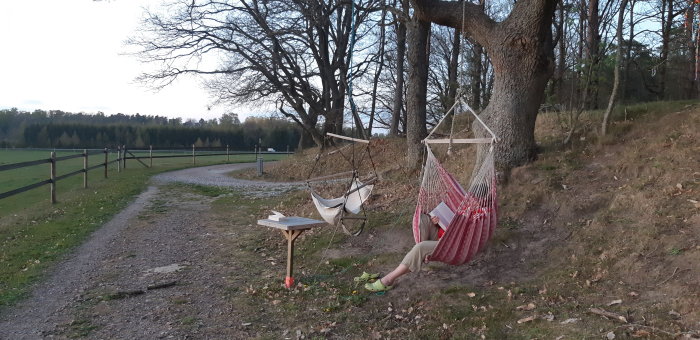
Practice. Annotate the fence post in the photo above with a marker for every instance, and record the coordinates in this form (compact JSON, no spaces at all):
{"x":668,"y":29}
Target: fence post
{"x":228,"y":158}
{"x":124,"y":155}
{"x":106,"y":161}
{"x":53,"y":177}
{"x":85,"y":168}
{"x":119,"y":158}
{"x":150,"y":155}
{"x":193,"y":160}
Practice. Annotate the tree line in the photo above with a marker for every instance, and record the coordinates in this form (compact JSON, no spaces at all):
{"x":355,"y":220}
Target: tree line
{"x":407,"y":60}
{"x":58,"y":129}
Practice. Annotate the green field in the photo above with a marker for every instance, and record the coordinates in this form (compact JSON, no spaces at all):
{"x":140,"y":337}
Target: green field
{"x":34,"y":232}
{"x":17,"y":178}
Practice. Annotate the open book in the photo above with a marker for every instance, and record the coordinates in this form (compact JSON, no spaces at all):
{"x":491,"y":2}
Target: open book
{"x":444,"y":214}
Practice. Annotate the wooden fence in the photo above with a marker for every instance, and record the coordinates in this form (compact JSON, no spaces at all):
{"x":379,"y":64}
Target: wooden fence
{"x":123,"y":154}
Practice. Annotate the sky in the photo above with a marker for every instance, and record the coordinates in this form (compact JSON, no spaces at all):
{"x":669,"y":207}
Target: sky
{"x":70,"y":55}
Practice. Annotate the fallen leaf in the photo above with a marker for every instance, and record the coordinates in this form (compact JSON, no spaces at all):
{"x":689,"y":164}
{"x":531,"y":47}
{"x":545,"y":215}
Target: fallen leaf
{"x":529,"y":306}
{"x":527,"y":319}
{"x":640,"y":333}
{"x":549,"y":317}
{"x":633,"y":294}
{"x":570,"y":320}
{"x":610,"y":335}
{"x":471,"y":294}
{"x":615,"y":302}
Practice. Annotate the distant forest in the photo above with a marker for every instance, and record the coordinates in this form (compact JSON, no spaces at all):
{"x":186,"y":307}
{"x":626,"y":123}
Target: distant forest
{"x":58,"y":129}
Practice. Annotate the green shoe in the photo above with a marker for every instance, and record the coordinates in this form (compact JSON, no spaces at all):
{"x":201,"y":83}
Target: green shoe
{"x":377,"y":286}
{"x":366,"y":277}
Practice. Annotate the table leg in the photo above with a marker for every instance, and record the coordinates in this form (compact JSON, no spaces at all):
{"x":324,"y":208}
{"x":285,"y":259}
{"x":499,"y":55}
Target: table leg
{"x":290,"y":235}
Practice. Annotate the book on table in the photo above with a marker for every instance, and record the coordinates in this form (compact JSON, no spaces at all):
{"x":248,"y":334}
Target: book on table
{"x":444,"y":215}
{"x":277,"y":216}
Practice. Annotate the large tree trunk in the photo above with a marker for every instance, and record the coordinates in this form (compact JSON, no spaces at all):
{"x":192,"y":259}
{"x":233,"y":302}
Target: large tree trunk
{"x":518,"y":93}
{"x":416,"y":94}
{"x":521,"y":52}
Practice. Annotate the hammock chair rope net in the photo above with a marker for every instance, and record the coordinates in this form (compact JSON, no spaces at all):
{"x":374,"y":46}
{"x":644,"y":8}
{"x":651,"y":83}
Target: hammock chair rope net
{"x":475,"y":208}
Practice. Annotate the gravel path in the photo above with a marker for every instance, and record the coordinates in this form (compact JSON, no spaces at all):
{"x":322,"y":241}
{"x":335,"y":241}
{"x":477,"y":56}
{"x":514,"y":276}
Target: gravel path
{"x":216,"y":176}
{"x":162,"y":237}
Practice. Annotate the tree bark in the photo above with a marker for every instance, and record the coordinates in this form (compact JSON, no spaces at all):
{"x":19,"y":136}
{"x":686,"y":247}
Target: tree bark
{"x":416,"y":94}
{"x":618,"y":63}
{"x":558,"y":80}
{"x":398,"y":92}
{"x":378,"y":72}
{"x":628,"y":53}
{"x":691,"y":86}
{"x":452,"y":72}
{"x":666,"y":23}
{"x":593,"y":42}
{"x":521,"y":52}
{"x":477,"y":70}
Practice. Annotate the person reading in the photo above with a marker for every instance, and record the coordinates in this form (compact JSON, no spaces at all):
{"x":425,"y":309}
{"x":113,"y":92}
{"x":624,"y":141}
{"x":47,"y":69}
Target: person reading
{"x":432,"y":226}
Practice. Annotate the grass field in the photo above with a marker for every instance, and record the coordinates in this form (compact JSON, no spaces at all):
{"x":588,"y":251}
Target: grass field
{"x":34,"y":232}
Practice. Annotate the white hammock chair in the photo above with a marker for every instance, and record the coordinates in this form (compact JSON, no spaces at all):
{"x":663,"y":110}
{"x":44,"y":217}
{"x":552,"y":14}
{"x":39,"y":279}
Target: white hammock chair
{"x":342,"y":210}
{"x":333,"y":209}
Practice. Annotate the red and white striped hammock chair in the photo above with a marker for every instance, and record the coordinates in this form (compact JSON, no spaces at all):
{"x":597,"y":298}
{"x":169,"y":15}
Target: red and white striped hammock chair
{"x":476,"y":209}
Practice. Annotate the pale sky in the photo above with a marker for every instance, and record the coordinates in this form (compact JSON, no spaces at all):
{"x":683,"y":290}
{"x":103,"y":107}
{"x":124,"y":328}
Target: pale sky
{"x":69,"y":55}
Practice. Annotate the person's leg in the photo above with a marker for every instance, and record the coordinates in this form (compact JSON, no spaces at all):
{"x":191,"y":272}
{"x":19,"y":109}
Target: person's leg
{"x":412,"y":262}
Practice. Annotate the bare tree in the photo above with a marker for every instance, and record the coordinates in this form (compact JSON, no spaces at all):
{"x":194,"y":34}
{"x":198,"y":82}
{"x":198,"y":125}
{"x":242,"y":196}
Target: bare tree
{"x":618,"y":63}
{"x":294,"y":53}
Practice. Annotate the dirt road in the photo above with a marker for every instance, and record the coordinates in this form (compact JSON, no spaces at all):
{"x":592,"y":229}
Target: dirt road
{"x":108,"y":288}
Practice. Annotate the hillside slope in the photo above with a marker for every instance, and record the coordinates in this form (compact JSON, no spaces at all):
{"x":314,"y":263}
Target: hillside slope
{"x":612,"y":224}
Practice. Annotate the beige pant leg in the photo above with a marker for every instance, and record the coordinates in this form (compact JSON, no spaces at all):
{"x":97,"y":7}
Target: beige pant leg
{"x":414,"y":259}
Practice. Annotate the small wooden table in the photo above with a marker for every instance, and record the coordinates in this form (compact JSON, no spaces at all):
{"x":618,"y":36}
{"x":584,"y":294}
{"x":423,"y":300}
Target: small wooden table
{"x":292,"y":227}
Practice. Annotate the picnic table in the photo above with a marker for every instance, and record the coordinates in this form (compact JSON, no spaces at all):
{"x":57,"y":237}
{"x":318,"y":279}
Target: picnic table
{"x":292,"y":227}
